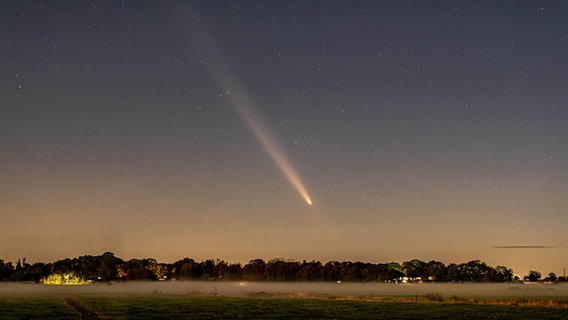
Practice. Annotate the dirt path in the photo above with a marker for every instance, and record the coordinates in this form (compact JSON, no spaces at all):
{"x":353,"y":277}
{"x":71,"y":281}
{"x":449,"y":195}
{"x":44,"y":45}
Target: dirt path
{"x":84,"y":312}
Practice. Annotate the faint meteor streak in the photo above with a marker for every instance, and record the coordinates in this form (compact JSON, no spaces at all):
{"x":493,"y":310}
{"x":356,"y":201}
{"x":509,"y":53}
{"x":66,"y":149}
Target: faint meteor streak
{"x":59,"y":13}
{"x":196,"y":59}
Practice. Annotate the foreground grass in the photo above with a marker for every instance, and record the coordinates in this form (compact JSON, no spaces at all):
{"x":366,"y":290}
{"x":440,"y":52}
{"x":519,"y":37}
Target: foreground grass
{"x":207,"y":307}
{"x":192,"y":307}
{"x":177,"y":307}
{"x":35,"y":308}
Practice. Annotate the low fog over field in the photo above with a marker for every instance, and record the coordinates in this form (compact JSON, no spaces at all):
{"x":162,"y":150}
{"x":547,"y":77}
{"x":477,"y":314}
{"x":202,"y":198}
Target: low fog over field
{"x":294,"y":290}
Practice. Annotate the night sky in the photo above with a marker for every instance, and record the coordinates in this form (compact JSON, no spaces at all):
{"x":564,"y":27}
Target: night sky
{"x":171,"y":129}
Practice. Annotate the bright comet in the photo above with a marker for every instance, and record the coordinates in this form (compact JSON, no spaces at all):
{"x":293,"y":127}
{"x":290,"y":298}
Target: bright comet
{"x":241,"y":101}
{"x":243,"y":105}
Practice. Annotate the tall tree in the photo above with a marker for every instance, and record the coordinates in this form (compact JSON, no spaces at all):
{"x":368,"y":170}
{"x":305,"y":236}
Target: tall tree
{"x":255,"y":270}
{"x":414,"y":268}
{"x":533,"y":276}
{"x":186,"y":269}
{"x":436,"y":271}
{"x":395,"y":270}
{"x":502,"y":274}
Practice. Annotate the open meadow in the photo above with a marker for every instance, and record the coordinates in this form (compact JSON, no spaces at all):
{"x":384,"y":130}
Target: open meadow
{"x":259,"y":300}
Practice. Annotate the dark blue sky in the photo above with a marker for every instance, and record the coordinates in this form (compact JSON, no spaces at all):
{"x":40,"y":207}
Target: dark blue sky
{"x":420,"y":129}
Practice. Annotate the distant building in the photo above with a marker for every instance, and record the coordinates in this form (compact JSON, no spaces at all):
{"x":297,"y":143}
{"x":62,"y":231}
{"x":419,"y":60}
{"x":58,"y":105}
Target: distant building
{"x":408,"y":280}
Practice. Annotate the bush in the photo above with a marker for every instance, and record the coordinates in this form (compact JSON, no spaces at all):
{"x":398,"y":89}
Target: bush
{"x":434,"y":296}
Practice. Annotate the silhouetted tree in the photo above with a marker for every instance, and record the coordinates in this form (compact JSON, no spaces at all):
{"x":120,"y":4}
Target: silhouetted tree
{"x":107,"y":268}
{"x":6,"y":270}
{"x":453,"y":273}
{"x":533,"y":276}
{"x":280,"y":270}
{"x":436,"y":271}
{"x":551,"y":277}
{"x":186,"y":269}
{"x":255,"y":270}
{"x":36,"y":272}
{"x":209,"y":270}
{"x":502,"y":274}
{"x":414,"y":268}
{"x":18,"y":273}
{"x":472,"y":271}
{"x":366,"y":272}
{"x":310,"y":271}
{"x":85,"y":267}
{"x":332,"y":271}
{"x":64,"y":266}
{"x":137,"y":269}
{"x":383,"y":274}
{"x":229,"y":271}
{"x":395,"y":270}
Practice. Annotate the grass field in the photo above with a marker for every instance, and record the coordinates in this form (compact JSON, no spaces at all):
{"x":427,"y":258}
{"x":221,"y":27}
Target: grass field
{"x":208,"y":307}
{"x":228,"y":300}
{"x":35,"y":308}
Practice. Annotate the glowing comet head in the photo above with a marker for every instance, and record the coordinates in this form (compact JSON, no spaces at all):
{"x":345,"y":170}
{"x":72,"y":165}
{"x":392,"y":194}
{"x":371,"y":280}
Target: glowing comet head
{"x":309,"y":201}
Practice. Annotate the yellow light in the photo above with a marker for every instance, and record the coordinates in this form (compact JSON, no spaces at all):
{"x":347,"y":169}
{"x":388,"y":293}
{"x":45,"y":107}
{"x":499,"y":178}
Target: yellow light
{"x":65,"y":279}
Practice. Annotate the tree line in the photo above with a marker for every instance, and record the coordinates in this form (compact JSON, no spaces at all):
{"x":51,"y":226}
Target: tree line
{"x":108,"y":267}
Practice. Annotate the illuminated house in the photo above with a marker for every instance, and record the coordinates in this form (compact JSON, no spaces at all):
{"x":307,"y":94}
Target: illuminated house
{"x":65,"y":279}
